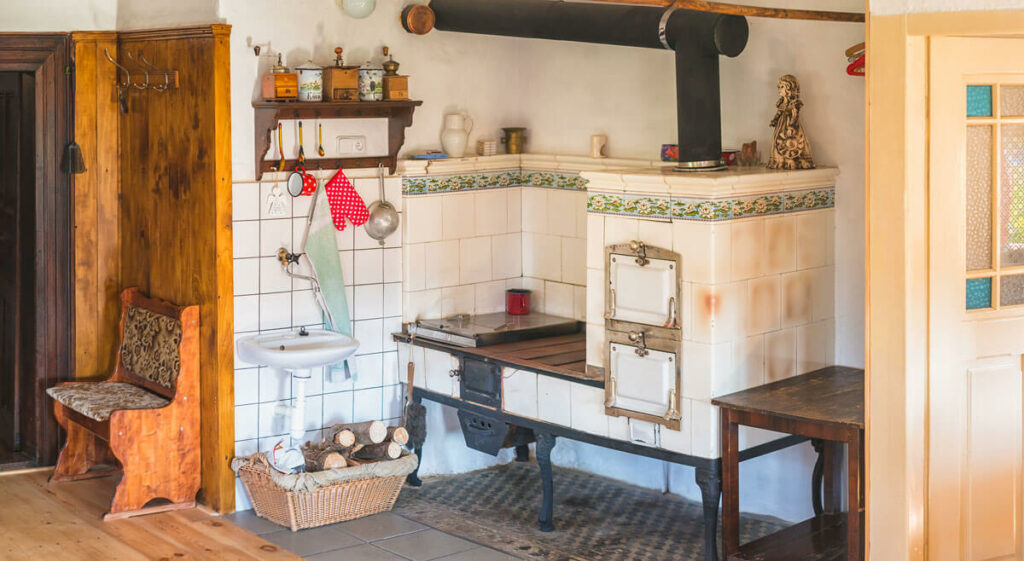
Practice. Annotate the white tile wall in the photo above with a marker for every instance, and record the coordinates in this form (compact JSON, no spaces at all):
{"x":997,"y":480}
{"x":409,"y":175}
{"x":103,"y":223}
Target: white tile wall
{"x":488,"y":241}
{"x":266,"y":299}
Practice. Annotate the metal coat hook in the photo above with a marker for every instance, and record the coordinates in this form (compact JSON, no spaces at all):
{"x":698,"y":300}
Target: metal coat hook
{"x":144,"y":71}
{"x":122,"y":88}
{"x":126,"y":71}
{"x":167,"y":79}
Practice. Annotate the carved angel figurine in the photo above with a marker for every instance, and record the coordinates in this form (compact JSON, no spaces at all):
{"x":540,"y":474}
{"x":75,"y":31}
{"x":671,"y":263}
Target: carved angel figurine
{"x":790,"y":148}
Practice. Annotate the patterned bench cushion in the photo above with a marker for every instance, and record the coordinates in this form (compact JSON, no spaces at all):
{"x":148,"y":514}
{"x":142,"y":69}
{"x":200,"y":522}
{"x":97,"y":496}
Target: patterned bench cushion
{"x":149,"y":346}
{"x":97,"y":400}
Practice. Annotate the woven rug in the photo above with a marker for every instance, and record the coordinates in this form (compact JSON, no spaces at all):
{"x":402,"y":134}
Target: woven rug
{"x":596,"y":519}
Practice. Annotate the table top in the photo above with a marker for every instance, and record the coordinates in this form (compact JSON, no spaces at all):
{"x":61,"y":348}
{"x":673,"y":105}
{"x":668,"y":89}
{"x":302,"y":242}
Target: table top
{"x":564,"y":356}
{"x":831,"y":395}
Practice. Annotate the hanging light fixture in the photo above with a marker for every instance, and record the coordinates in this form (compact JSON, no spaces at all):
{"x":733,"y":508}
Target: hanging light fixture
{"x":359,"y":8}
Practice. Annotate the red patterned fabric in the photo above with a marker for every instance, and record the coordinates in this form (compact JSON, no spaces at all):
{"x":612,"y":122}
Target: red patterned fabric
{"x":345,"y":202}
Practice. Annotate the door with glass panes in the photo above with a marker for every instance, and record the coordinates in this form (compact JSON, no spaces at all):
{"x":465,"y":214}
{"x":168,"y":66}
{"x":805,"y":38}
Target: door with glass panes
{"x":976,"y":298}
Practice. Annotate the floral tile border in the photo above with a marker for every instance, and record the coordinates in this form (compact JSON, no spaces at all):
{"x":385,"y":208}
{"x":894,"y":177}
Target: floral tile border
{"x":710,"y":210}
{"x":429,"y":184}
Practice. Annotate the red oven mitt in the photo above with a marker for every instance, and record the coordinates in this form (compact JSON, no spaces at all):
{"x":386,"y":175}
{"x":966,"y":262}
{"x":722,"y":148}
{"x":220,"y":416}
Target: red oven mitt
{"x":345,"y":202}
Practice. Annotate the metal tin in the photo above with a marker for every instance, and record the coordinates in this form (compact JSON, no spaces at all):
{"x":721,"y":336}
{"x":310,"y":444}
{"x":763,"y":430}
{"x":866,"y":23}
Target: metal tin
{"x":311,"y":82}
{"x":371,"y":82}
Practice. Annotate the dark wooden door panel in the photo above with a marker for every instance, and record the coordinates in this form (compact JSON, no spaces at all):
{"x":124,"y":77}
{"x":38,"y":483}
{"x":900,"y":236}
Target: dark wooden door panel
{"x":10,"y":182}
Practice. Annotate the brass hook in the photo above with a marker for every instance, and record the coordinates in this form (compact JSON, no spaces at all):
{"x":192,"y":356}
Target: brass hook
{"x":167,"y":79}
{"x":144,"y":71}
{"x":126,"y":71}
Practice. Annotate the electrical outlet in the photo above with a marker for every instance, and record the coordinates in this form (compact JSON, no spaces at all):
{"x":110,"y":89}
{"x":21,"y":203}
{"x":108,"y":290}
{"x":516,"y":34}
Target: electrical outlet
{"x":351,"y":145}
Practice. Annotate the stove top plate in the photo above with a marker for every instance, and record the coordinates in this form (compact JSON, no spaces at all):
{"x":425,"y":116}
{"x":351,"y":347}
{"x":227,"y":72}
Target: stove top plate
{"x":467,"y":330}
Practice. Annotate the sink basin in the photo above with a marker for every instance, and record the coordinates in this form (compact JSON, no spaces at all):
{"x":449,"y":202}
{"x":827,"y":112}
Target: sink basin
{"x":297,"y":350}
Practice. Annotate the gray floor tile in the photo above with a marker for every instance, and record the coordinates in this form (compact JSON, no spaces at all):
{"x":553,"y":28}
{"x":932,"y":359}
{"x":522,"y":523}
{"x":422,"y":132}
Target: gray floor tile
{"x":425,"y":545}
{"x":480,"y":554}
{"x":314,"y":540}
{"x":247,"y":520}
{"x":380,"y":526}
{"x":365,"y":552}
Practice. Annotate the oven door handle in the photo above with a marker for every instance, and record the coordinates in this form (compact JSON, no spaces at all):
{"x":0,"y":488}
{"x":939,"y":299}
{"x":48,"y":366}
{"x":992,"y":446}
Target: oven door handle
{"x":673,"y":413}
{"x":610,"y":400}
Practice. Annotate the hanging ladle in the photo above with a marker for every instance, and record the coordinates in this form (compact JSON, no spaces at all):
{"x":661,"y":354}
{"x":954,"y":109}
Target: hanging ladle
{"x":383,"y":217}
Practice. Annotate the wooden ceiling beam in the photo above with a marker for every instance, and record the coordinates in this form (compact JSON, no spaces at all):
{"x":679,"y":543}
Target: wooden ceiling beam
{"x":751,"y":11}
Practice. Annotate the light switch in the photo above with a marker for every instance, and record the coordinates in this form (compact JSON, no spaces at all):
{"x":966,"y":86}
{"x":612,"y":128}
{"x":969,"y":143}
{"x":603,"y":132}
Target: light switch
{"x":351,"y":145}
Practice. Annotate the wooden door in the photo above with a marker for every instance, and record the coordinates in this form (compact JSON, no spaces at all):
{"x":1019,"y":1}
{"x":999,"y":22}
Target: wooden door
{"x":10,"y":143}
{"x":976,"y":299}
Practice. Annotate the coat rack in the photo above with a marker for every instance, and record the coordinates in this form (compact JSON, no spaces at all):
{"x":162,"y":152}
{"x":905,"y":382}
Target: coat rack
{"x":152,"y":77}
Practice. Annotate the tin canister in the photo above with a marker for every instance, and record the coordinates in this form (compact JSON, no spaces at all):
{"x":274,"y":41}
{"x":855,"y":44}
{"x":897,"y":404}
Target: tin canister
{"x":371,"y":82}
{"x":311,"y":82}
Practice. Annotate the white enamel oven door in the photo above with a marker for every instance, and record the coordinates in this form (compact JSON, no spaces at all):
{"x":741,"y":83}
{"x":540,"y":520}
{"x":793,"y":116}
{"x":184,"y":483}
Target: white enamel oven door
{"x":643,"y":385}
{"x":643,"y":294}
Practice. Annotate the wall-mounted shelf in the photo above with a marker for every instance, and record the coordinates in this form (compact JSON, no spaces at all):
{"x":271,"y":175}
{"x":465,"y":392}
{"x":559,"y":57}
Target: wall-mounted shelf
{"x":269,"y":113}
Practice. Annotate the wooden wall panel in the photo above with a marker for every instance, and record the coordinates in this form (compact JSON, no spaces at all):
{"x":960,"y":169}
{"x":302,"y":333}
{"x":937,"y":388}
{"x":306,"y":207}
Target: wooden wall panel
{"x":96,"y":192}
{"x":175,"y":216}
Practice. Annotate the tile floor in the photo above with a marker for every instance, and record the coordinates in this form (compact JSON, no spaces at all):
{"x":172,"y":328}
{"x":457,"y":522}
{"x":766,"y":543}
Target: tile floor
{"x":382,"y":537}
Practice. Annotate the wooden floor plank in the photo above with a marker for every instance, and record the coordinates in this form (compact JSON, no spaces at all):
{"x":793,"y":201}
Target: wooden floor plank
{"x":64,"y":521}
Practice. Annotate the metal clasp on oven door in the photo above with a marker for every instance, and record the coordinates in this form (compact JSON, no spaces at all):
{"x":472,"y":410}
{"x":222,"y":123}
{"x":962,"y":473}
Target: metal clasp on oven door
{"x":455,"y":373}
{"x":640,"y":249}
{"x":640,"y":339}
{"x":610,"y":314}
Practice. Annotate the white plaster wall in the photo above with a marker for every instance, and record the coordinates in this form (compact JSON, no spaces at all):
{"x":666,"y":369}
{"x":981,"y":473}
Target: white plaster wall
{"x":148,"y":14}
{"x":57,"y":15}
{"x":890,"y":7}
{"x":477,"y":74}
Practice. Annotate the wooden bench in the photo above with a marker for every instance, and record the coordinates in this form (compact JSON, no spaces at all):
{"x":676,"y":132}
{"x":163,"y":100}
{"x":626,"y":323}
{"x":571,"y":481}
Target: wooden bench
{"x":146,"y":413}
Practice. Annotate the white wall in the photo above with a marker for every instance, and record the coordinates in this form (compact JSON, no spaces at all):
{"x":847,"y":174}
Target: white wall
{"x":889,"y":7}
{"x":57,"y":15}
{"x":148,"y":14}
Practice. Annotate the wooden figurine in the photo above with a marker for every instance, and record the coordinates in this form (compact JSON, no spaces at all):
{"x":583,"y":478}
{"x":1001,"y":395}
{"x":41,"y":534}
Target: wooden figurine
{"x":790,"y":148}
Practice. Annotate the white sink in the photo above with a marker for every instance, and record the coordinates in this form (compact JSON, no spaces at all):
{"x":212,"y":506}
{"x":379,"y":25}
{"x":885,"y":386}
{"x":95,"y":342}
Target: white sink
{"x":297,"y":350}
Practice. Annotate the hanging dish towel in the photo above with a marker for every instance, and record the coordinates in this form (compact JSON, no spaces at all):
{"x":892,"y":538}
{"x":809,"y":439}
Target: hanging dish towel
{"x":345,"y":202}
{"x":322,"y":251}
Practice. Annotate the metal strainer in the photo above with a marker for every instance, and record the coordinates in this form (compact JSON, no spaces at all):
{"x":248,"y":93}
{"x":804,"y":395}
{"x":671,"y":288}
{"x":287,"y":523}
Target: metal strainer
{"x":383,"y":217}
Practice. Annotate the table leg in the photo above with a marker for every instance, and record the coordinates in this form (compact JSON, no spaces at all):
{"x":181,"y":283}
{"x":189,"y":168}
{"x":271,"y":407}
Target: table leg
{"x":730,"y":485}
{"x":833,"y":469}
{"x":817,"y":475}
{"x":853,"y":493}
{"x":710,"y":482}
{"x":545,"y":442}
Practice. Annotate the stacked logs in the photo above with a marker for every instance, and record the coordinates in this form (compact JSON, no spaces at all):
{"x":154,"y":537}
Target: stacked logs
{"x":355,"y":444}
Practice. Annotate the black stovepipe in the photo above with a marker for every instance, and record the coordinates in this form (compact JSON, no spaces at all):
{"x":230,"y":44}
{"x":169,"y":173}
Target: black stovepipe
{"x":698,"y":38}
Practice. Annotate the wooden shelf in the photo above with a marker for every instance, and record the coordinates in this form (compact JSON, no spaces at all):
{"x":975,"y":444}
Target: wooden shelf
{"x":269,"y":113}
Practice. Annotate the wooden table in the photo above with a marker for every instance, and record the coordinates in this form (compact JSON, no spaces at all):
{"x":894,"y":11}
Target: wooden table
{"x":826,"y":405}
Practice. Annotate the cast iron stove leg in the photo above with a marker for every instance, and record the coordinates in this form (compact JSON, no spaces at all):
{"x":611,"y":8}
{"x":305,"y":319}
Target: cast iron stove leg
{"x":710,"y":482}
{"x":413,"y":478}
{"x":523,"y":453}
{"x":545,"y":442}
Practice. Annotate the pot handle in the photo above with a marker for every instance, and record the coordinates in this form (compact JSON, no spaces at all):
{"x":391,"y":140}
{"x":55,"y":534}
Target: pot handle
{"x":468,"y":123}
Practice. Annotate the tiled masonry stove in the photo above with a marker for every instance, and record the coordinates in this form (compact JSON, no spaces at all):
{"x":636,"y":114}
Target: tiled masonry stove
{"x":700,"y":285}
{"x":747,"y":255}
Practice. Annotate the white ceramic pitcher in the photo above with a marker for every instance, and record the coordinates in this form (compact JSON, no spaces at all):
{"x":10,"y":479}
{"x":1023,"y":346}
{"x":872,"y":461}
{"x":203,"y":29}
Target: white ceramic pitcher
{"x":456,"y":134}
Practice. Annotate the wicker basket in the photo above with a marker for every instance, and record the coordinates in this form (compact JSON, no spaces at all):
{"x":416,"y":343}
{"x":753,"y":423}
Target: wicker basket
{"x":332,"y":503}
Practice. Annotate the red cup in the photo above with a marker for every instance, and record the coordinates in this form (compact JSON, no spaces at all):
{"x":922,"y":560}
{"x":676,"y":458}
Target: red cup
{"x":517,"y":301}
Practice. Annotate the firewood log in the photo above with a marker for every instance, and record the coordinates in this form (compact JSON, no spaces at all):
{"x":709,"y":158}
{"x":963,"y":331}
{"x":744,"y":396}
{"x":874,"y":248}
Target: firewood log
{"x":341,"y":435}
{"x":325,"y":459}
{"x":398,"y":435}
{"x":381,"y":451}
{"x":369,"y":432}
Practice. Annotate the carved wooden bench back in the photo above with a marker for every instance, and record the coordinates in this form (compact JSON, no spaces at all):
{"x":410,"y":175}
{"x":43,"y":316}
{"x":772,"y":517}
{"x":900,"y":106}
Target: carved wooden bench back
{"x":151,"y":337}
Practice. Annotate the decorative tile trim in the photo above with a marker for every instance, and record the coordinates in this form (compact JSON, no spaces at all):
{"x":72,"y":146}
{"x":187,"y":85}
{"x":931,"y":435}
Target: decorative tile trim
{"x":710,"y":210}
{"x":429,"y":184}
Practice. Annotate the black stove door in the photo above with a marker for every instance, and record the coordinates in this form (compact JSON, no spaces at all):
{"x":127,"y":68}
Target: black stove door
{"x":480,"y":382}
